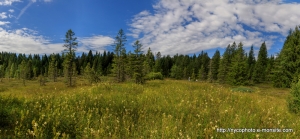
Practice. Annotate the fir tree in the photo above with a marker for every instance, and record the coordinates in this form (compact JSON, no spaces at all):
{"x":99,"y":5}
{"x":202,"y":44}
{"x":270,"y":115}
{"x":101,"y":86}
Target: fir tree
{"x":238,"y":70}
{"x":259,"y":74}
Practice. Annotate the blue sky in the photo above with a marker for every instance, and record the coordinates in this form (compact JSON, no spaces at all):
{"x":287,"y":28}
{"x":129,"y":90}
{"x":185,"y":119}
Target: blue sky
{"x":168,"y":26}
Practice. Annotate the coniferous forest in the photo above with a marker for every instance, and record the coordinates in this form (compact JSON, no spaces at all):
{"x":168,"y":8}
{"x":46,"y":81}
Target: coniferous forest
{"x":235,"y":66}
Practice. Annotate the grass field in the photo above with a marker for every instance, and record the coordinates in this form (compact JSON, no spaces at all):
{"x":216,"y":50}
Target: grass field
{"x":158,"y":109}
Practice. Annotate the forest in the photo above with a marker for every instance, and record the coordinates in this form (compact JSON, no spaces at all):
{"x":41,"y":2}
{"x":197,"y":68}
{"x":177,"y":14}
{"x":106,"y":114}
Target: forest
{"x":234,"y":66}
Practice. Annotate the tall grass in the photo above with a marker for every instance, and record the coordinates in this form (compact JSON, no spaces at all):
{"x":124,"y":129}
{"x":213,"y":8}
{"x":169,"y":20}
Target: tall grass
{"x":158,"y":109}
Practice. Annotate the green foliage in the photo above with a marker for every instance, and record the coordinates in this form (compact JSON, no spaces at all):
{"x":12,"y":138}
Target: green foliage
{"x":138,"y":61}
{"x":215,"y":64}
{"x":242,"y":89}
{"x":69,"y":65}
{"x":202,"y":74}
{"x":176,"y":72}
{"x":158,"y":109}
{"x":224,"y":66}
{"x":294,"y":98}
{"x":119,"y":59}
{"x":238,"y":72}
{"x":259,"y":74}
{"x":250,"y":63}
{"x":286,"y":67}
{"x":154,"y":76}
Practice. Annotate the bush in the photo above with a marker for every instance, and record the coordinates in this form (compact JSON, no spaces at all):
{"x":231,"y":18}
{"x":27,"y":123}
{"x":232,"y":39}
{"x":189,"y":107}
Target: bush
{"x":4,"y":117}
{"x":154,"y":75}
{"x":294,"y":98}
{"x":242,"y":89}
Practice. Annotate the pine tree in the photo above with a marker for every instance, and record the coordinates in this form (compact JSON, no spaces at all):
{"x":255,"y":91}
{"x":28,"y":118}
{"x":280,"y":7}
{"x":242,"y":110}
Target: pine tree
{"x":259,"y":74}
{"x":69,"y":65}
{"x":119,"y":60}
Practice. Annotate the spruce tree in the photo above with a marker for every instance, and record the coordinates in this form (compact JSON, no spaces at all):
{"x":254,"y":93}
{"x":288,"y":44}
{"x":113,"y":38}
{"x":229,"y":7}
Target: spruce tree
{"x":138,"y":63}
{"x":52,"y":71}
{"x":214,"y":65}
{"x":259,"y":74}
{"x":210,"y":72}
{"x":157,"y":66}
{"x":119,"y":59}
{"x":224,"y":66}
{"x":238,"y":70}
{"x":69,"y":65}
{"x":250,"y":63}
{"x":286,"y":67}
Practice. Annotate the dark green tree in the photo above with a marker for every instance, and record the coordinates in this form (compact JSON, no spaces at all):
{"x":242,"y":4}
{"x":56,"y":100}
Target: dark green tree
{"x":238,"y":70}
{"x":214,"y":65}
{"x":138,"y":61}
{"x":52,"y":71}
{"x":250,"y":63}
{"x":259,"y":73}
{"x":286,"y":67}
{"x":224,"y":66}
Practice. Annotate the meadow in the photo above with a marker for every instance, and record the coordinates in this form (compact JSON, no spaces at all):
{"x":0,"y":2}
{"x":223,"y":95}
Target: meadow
{"x":158,"y":109}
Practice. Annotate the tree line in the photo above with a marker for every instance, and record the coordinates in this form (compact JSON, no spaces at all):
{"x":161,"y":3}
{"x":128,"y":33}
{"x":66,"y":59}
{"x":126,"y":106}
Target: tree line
{"x":234,"y":66}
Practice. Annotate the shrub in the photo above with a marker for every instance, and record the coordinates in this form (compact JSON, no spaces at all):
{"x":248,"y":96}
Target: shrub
{"x":242,"y":89}
{"x":154,"y":75}
{"x":294,"y":98}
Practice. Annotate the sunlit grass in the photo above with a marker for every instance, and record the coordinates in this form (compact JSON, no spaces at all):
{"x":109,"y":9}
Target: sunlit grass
{"x":158,"y":109}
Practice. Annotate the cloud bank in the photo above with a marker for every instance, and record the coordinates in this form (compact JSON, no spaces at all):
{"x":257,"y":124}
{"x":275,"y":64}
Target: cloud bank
{"x":28,"y":41}
{"x":189,"y":26}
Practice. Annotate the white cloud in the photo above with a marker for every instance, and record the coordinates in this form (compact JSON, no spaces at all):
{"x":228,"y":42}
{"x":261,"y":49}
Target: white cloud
{"x":29,"y":41}
{"x":189,"y":26}
{"x":8,"y":2}
{"x":97,"y":43}
{"x":11,"y":10}
{"x":26,"y":41}
{"x":3,"y":15}
{"x":4,"y":23}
